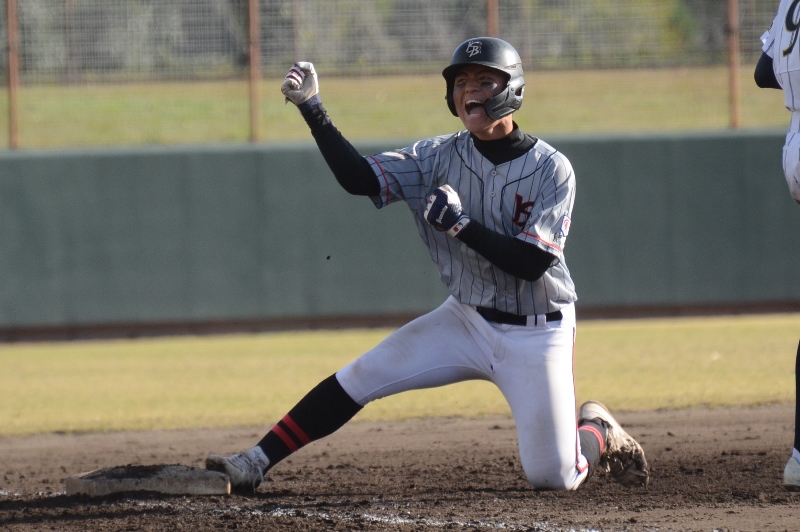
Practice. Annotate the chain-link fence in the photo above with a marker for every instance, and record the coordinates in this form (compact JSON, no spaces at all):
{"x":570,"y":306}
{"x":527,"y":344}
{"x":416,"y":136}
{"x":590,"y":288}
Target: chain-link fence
{"x":122,"y":72}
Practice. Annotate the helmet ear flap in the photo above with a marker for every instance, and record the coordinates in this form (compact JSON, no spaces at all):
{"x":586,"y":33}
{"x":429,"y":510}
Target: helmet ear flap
{"x":508,"y":101}
{"x":449,"y":98}
{"x":517,"y":86}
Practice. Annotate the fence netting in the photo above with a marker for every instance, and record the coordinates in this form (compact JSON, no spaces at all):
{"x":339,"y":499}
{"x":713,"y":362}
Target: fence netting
{"x":121,"y":72}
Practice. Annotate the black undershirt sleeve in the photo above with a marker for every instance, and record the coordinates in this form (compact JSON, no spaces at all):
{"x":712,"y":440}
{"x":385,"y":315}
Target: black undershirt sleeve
{"x":351,"y":170}
{"x":764,"y":75}
{"x":355,"y":175}
{"x":510,"y":254}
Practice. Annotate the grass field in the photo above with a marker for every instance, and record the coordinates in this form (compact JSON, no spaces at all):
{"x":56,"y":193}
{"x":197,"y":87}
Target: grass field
{"x":183,"y":382}
{"x":396,"y":107}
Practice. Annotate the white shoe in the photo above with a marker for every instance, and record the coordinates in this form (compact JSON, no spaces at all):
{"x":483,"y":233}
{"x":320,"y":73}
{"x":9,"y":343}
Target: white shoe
{"x":791,"y":475}
{"x":623,"y":456}
{"x":245,"y":469}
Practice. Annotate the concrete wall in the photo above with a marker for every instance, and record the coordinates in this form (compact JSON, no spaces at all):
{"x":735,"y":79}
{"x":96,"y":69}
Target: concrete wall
{"x":251,"y":232}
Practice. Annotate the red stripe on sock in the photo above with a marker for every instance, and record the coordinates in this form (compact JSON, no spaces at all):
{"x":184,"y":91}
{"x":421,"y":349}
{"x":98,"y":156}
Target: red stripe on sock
{"x":596,"y":435}
{"x":289,"y":422}
{"x":285,"y":437}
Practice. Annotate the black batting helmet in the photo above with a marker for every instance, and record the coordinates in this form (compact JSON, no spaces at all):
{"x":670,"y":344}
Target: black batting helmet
{"x":494,"y":53}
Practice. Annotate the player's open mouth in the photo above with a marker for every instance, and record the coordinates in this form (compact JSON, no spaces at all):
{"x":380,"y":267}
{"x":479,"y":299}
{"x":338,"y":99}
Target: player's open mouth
{"x":473,"y":107}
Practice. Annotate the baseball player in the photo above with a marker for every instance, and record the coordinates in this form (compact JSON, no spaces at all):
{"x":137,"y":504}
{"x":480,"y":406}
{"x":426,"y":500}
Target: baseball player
{"x":779,"y":68}
{"x":493,"y":206}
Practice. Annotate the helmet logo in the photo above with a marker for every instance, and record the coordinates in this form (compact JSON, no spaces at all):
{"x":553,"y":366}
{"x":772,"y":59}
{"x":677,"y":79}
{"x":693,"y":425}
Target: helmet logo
{"x":473,"y":48}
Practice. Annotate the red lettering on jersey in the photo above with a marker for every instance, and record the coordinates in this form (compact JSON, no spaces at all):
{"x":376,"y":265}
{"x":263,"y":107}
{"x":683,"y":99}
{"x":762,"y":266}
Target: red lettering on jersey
{"x":521,"y":208}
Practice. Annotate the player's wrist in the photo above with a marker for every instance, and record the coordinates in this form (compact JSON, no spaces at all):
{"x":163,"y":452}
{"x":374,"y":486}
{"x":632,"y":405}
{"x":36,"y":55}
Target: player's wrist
{"x":459,"y":226}
{"x":310,"y":104}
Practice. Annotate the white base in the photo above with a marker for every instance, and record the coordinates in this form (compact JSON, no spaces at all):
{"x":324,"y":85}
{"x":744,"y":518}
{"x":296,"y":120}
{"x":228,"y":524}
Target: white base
{"x":168,"y":479}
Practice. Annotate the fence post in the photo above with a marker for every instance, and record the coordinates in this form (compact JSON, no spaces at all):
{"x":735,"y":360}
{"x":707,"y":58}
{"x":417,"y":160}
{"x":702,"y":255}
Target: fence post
{"x":297,"y":29}
{"x":255,"y":66}
{"x":13,"y":72}
{"x":734,"y":60}
{"x":68,"y":45}
{"x":492,"y":18}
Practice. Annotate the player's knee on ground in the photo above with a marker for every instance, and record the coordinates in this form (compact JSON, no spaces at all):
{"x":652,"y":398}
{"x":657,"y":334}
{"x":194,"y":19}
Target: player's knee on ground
{"x":554,"y":475}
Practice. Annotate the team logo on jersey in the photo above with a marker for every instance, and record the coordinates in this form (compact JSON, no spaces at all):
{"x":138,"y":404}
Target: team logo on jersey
{"x":473,"y":48}
{"x":521,"y":209}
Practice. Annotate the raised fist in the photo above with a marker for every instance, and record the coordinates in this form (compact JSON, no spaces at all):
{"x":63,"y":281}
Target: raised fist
{"x":300,"y":84}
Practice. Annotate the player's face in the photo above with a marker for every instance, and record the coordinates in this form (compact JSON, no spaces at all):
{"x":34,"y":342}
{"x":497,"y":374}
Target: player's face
{"x":473,"y":85}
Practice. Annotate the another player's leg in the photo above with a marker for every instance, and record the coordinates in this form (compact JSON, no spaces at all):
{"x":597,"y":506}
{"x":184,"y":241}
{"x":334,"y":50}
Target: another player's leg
{"x":325,"y":409}
{"x":620,"y":454}
{"x":791,"y":473}
{"x":791,"y":165}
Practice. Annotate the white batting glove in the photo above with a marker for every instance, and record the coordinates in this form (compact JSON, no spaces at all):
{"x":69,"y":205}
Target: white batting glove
{"x":300,"y":84}
{"x":444,"y":211}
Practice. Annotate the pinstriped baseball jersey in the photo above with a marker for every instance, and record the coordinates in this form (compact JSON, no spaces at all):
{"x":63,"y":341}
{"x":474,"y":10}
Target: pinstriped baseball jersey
{"x":780,"y":43}
{"x":529,"y":198}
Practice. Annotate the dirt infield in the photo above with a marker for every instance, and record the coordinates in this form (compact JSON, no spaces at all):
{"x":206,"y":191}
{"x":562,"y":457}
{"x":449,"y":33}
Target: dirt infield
{"x":712,"y":469}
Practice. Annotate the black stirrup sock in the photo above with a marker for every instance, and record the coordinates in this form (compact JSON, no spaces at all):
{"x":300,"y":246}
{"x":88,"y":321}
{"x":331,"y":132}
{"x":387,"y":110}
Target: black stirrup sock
{"x":324,"y":410}
{"x":593,"y":443}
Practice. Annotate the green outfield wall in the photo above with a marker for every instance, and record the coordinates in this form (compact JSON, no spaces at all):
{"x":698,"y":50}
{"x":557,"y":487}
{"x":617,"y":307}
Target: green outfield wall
{"x":258,"y":232}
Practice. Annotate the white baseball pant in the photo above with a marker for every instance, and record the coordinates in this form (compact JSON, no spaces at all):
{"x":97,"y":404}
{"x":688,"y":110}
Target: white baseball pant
{"x":531,"y":365}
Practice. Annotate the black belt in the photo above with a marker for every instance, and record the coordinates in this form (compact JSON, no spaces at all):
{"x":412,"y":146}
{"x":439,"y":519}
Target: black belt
{"x":498,"y":316}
